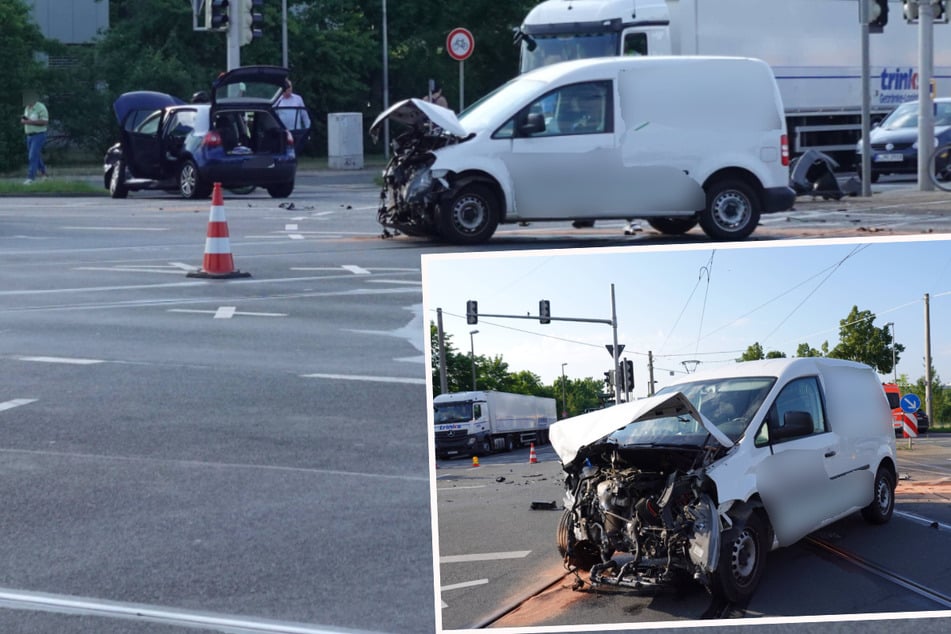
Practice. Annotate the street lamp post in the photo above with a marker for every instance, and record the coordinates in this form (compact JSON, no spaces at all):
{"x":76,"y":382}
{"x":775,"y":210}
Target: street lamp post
{"x":564,"y":393}
{"x":472,"y":356}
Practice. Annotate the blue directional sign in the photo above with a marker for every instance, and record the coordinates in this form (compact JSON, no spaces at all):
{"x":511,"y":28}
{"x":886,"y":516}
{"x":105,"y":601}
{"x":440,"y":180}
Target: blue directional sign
{"x":910,"y":403}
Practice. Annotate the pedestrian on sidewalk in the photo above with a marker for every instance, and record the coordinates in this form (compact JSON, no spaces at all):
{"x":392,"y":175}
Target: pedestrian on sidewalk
{"x":35,"y":121}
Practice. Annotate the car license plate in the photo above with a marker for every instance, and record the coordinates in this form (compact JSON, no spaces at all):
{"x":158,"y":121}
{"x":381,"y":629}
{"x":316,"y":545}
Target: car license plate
{"x":889,"y":158}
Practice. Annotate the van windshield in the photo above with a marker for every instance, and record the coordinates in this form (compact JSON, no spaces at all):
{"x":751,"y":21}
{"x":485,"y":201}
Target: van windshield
{"x":730,"y":404}
{"x":499,"y":105}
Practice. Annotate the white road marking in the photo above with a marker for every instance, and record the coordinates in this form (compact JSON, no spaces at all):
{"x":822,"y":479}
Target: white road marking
{"x":359,"y":377}
{"x":455,"y":559}
{"x":116,"y":228}
{"x":356,"y":270}
{"x":295,"y":236}
{"x":134,"y":269}
{"x":17,"y":402}
{"x":66,"y":604}
{"x":67,"y":360}
{"x":225,"y":312}
{"x":464,"y":584}
{"x":290,"y":227}
{"x":412,"y":282}
{"x":922,"y":520}
{"x":474,"y":486}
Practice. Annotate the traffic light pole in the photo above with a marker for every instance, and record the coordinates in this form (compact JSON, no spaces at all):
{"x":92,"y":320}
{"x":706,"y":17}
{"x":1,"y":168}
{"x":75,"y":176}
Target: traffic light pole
{"x":925,"y":108}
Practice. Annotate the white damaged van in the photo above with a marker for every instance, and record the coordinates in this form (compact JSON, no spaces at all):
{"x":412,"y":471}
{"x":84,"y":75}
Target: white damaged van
{"x":674,"y":140}
{"x":701,"y":480}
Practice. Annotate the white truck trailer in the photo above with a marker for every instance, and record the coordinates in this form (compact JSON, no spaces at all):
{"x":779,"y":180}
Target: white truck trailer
{"x":813,"y":47}
{"x":480,"y":422}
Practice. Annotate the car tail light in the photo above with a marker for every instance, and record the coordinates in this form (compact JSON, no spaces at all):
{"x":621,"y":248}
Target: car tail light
{"x":211,"y":139}
{"x":784,"y":149}
{"x":290,"y":137}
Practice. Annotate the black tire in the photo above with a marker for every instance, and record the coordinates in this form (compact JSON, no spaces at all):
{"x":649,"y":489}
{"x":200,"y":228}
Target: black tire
{"x":583,"y":554}
{"x":471,"y":216}
{"x":883,"y":500}
{"x":509,"y":443}
{"x":940,"y":168}
{"x":190,"y":184}
{"x":732,"y":211}
{"x":244,"y":190}
{"x":281,"y":190}
{"x":485,"y":447}
{"x":742,"y":559}
{"x":673,"y":226}
{"x":117,"y":188}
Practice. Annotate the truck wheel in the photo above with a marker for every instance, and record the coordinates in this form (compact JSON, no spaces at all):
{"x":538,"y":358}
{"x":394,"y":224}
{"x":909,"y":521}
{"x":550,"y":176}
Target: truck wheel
{"x":485,"y":447}
{"x":673,"y":226}
{"x":732,"y":212}
{"x":509,"y":443}
{"x":742,"y":559}
{"x":883,"y":500}
{"x":471,"y":215}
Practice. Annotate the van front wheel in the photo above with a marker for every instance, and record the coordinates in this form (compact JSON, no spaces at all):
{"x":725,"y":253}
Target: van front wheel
{"x":732,"y":211}
{"x":470,"y":216}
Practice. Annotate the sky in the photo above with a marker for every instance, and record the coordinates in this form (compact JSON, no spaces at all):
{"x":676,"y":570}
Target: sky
{"x":704,"y":303}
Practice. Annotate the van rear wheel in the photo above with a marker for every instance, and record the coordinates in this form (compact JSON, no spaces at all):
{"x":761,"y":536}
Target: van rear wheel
{"x":883,"y":500}
{"x":470,"y":216}
{"x":732,"y":212}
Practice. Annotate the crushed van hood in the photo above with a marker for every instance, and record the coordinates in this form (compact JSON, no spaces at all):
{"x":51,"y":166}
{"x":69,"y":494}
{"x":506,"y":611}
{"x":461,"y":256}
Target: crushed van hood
{"x":568,"y":436}
{"x":416,"y":112}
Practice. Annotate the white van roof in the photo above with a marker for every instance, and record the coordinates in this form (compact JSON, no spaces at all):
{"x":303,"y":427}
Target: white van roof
{"x":611,"y":65}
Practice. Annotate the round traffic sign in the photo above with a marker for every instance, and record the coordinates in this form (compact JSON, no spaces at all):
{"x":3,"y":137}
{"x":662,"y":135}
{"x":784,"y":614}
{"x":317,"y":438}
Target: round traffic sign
{"x":910,"y":403}
{"x":460,"y":43}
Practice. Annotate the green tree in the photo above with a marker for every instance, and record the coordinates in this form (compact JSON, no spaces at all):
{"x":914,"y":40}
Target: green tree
{"x":860,"y":340}
{"x":940,"y":397}
{"x":805,"y":350}
{"x":755,"y":353}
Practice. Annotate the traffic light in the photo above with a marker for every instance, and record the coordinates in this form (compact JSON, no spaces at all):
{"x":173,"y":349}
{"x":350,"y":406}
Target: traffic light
{"x":251,"y":20}
{"x":877,"y":15}
{"x":609,"y":379}
{"x":544,"y":312}
{"x":629,"y":374}
{"x":940,"y":11}
{"x":472,"y":312}
{"x":217,"y":15}
{"x":909,"y":9}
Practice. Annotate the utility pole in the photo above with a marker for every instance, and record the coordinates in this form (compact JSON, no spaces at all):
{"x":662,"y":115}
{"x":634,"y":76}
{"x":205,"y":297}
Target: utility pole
{"x":564,"y":393}
{"x":928,"y":408}
{"x":925,"y":106}
{"x":443,"y":379}
{"x":650,"y":373}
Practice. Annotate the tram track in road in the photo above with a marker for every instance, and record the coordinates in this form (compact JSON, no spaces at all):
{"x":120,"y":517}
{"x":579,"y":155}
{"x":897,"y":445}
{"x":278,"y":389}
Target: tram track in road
{"x":879,"y":571}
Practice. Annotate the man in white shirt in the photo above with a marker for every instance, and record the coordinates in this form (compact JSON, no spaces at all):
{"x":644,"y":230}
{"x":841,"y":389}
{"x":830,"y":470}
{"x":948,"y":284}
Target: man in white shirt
{"x":290,"y":108}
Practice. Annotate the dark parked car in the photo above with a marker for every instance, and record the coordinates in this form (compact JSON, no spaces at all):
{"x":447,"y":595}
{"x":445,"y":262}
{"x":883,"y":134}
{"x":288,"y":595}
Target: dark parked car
{"x":894,"y":142}
{"x":923,"y":423}
{"x":235,"y":138}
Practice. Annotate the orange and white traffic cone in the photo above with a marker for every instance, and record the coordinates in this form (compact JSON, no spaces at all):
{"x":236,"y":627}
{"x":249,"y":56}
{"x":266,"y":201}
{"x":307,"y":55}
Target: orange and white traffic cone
{"x":532,"y":458}
{"x":218,"y":262}
{"x":475,"y":461}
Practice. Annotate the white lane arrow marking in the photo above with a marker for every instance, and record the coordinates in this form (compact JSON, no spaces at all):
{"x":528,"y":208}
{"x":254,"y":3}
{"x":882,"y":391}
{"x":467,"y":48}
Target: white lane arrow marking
{"x":17,"y":402}
{"x":225,"y":312}
{"x":358,"y":377}
{"x":66,"y":360}
{"x":455,"y":559}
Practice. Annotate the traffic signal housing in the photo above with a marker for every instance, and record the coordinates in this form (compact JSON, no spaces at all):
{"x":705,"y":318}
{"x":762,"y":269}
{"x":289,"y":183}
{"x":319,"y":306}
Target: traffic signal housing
{"x":939,"y":9}
{"x":544,"y":312}
{"x":472,"y":312}
{"x":217,"y":15}
{"x":629,"y":374}
{"x":877,"y":15}
{"x":252,"y":20}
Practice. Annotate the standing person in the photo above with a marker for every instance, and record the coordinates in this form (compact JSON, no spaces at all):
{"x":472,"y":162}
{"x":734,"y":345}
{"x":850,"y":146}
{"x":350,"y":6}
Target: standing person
{"x":35,"y":120}
{"x":290,"y":108}
{"x":435,"y":94}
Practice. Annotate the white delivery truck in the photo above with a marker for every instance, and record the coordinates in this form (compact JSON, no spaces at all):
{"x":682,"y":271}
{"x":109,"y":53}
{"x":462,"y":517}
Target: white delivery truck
{"x":813,"y":47}
{"x":481,"y":422}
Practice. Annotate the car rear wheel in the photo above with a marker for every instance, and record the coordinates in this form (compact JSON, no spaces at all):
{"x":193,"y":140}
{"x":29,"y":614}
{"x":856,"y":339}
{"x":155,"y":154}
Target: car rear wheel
{"x":883,"y":500}
{"x":732,"y":212}
{"x":281,"y":190}
{"x":742,"y":559}
{"x":117,"y":188}
{"x":190,"y":184}
{"x":470,"y":216}
{"x":673,"y":226}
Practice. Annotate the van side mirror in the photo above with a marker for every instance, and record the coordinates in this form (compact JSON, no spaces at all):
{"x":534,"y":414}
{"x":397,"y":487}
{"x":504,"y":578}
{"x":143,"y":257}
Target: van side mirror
{"x":534,"y":123}
{"x":795,"y":424}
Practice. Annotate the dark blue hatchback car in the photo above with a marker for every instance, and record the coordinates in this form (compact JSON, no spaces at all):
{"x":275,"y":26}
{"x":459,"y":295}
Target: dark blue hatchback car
{"x":236,"y":139}
{"x":894,"y":141}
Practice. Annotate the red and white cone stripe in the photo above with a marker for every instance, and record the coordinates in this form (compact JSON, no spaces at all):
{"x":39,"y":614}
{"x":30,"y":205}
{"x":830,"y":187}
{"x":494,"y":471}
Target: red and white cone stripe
{"x":218,"y":261}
